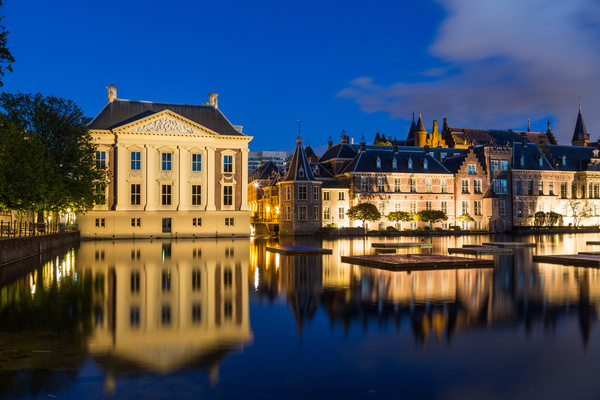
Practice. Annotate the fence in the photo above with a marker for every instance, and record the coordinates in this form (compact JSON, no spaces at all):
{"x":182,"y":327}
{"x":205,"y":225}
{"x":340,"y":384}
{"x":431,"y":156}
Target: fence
{"x":23,"y":229}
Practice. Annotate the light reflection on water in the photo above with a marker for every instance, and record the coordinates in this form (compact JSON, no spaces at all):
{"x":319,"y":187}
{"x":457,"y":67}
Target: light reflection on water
{"x":210,"y":317}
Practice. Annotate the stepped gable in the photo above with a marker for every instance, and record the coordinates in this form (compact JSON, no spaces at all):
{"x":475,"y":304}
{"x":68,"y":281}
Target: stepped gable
{"x":366,"y":161}
{"x":299,"y":168}
{"x":120,"y":112}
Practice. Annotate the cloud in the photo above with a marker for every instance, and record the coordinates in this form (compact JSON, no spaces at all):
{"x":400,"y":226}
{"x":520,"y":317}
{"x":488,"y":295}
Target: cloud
{"x":502,"y":61}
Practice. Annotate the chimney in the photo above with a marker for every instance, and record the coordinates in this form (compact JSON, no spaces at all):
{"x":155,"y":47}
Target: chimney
{"x":435,"y":128}
{"x":363,"y":146}
{"x":395,"y":147}
{"x":112,"y":92}
{"x":524,"y":138}
{"x":345,"y":139}
{"x":212,"y":100}
{"x":329,"y":142}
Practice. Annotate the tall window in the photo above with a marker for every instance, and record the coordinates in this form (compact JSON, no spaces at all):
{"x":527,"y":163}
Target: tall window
{"x":471,"y":169}
{"x":302,"y":213}
{"x":136,"y":158}
{"x":287,"y":193}
{"x":381,"y":184}
{"x":502,"y":207}
{"x":287,"y":214}
{"x":101,"y":158}
{"x":135,"y":282}
{"x":477,"y":186}
{"x":444,"y":185}
{"x":302,"y":192}
{"x":519,"y":184}
{"x":563,"y":190}
{"x":503,"y":186}
{"x":413,"y":185}
{"x":551,"y":188}
{"x":227,"y":195}
{"x":316,"y":212}
{"x":326,"y":195}
{"x":530,"y":188}
{"x":326,"y":213}
{"x":341,"y":195}
{"x":341,"y":213}
{"x":227,"y":163}
{"x":465,"y":206}
{"x":477,"y":207}
{"x":465,"y":186}
{"x":315,"y":192}
{"x":136,"y":194}
{"x":541,"y":187}
{"x":364,"y":184}
{"x":397,"y":183}
{"x":166,"y":195}
{"x":496,"y":186}
{"x":531,"y":208}
{"x":445,"y":207}
{"x":196,"y":280}
{"x":494,"y":165}
{"x":428,"y":205}
{"x":196,"y":195}
{"x":573,"y":190}
{"x":413,"y":207}
{"x":504,"y":165}
{"x":428,"y":185}
{"x":166,"y":161}
{"x":196,"y":162}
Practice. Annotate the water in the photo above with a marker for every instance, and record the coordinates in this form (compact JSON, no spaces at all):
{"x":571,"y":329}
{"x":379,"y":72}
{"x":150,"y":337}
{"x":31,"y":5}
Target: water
{"x":227,"y":319}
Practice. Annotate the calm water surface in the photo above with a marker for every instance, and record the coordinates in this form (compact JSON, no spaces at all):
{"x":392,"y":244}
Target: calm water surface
{"x":226,"y":319}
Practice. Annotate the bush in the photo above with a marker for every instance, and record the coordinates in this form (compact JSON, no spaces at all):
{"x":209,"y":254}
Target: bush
{"x":391,"y":228}
{"x":330,"y":226}
{"x":454,"y":227}
{"x":438,"y":229}
{"x":426,"y":228}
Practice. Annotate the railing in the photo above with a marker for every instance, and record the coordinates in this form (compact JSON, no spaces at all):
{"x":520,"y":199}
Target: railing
{"x":22,"y":229}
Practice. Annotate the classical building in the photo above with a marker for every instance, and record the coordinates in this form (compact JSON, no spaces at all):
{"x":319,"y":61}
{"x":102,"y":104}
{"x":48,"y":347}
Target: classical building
{"x":176,"y":170}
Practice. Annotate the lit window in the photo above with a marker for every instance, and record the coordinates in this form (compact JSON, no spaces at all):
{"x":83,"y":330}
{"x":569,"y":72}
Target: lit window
{"x":101,"y":158}
{"x":326,"y":195}
{"x":166,"y":161}
{"x":341,"y":195}
{"x":136,"y":158}
{"x":196,"y":162}
{"x":504,"y":165}
{"x":227,"y":195}
{"x":227,"y":163}
{"x":341,"y":213}
{"x":471,"y":168}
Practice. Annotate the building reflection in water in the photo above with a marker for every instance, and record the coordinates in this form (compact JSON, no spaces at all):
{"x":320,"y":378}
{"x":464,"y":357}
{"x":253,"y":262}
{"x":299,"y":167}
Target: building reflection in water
{"x":166,"y":306}
{"x":516,"y":292}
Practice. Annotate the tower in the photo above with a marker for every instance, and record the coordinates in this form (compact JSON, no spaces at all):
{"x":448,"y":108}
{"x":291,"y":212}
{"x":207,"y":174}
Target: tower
{"x":580,"y":134}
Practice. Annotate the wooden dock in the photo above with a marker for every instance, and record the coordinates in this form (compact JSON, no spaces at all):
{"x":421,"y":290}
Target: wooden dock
{"x":570,"y":259}
{"x":480,"y":250}
{"x":406,"y":245}
{"x":380,"y":251}
{"x":510,"y":244}
{"x":593,"y":242}
{"x":590,"y":253}
{"x":412,"y":262}
{"x":298,"y":250}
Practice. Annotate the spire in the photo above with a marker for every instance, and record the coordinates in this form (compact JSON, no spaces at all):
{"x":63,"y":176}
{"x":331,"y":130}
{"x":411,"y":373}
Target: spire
{"x":528,"y":124}
{"x":580,"y":134}
{"x":411,"y":131}
{"x":420,"y":126}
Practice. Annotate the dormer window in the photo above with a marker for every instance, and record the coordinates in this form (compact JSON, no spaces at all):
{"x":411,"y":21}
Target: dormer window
{"x":301,"y":173}
{"x":378,"y":162}
{"x":564,"y":161}
{"x":522,"y":160}
{"x":394,"y":163}
{"x":410,"y":163}
{"x":425,"y":164}
{"x":541,"y":161}
{"x":316,"y":172}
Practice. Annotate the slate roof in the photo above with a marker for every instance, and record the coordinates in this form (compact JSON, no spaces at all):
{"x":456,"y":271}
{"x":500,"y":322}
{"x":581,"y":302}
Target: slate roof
{"x":340,"y":150}
{"x":299,"y":162}
{"x":266,"y":171}
{"x":366,"y":161}
{"x":577,"y":158}
{"x":476,"y":136}
{"x":121,"y":112}
{"x":453,"y":164}
{"x":580,"y":133}
{"x":531,"y":158}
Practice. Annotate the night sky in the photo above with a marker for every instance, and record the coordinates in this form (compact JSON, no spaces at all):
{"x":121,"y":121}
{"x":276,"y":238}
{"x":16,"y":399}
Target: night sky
{"x":353,"y":65}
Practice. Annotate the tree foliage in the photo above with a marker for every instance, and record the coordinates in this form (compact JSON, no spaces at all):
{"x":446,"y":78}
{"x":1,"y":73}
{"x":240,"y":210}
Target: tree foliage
{"x":364,"y":212}
{"x":553,"y":218}
{"x":539,"y":218}
{"x":6,"y":59}
{"x":45,"y":138}
{"x":397,"y":216}
{"x":465,"y":218}
{"x":579,"y":210}
{"x":431,"y":216}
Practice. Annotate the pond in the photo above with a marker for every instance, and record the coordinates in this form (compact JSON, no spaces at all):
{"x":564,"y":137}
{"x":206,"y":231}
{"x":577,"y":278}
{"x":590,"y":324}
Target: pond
{"x":227,"y":319}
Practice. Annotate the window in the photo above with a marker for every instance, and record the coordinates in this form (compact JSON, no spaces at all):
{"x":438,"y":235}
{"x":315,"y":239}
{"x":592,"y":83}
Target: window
{"x":165,"y":315}
{"x":397,"y":183}
{"x":477,"y":186}
{"x":394,"y":163}
{"x":494,"y":165}
{"x":301,"y":173}
{"x":518,"y":190}
{"x":341,"y":213}
{"x":563,"y":190}
{"x":596,"y":190}
{"x":541,"y":161}
{"x":134,"y":316}
{"x":531,"y":208}
{"x":315,"y":192}
{"x":136,"y":158}
{"x":519,"y":209}
{"x":428,"y":205}
{"x":445,"y":207}
{"x":326,"y":195}
{"x":287,"y":215}
{"x":471,"y":168}
{"x":397,"y":206}
{"x":530,"y":188}
{"x":229,"y":221}
{"x":100,"y":158}
{"x":465,"y":186}
{"x":522,"y":160}
{"x":227,"y":277}
{"x":287,"y":193}
{"x":166,"y":161}
{"x":541,"y":187}
{"x":573,"y":190}
{"x":227,"y":163}
{"x":135,"y":282}
{"x":326,"y":213}
{"x":504,"y":165}
{"x":501,"y":207}
{"x":425,"y":164}
{"x":496,"y":186}
{"x":465,"y":207}
{"x":197,"y":222}
{"x":316,"y":213}
{"x":302,"y":192}
{"x":196,"y":162}
{"x":196,"y":313}
{"x":428,"y":185}
{"x":541,"y":206}
{"x":166,"y":225}
{"x":378,"y":162}
{"x":166,"y":280}
{"x":227,"y":195}
{"x":196,"y":195}
{"x":166,"y":195}
{"x":583,"y":190}
{"x":341,"y":195}
{"x":364,"y":184}
{"x":302,"y":213}
{"x":136,"y":198}
{"x":503,"y":186}
{"x":551,"y":188}
{"x":477,"y":207}
{"x":413,"y":207}
{"x":381,"y":184}
{"x":564,"y":161}
{"x":136,"y":222}
{"x":413,"y":185}
{"x":444,"y":185}
{"x":410,"y":163}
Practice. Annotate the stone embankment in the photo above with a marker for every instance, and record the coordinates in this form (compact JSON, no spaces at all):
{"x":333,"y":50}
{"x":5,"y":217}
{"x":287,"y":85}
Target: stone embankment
{"x":16,"y":249}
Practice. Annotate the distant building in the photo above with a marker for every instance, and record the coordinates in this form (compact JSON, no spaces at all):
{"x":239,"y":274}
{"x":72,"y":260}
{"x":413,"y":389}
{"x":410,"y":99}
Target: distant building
{"x":258,"y":158}
{"x":176,"y":170}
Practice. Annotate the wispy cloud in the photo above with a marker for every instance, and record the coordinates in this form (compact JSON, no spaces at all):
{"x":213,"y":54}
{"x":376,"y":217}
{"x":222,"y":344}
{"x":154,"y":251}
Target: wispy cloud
{"x":503,"y":60}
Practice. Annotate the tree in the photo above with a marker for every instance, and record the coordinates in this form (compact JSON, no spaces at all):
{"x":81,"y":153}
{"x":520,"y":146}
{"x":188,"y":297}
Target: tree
{"x":5,"y":57}
{"x":431,"y":216}
{"x":62,"y":150}
{"x":464,"y":218}
{"x":579,"y":211}
{"x":364,"y":212}
{"x":397,"y":216}
{"x":539,"y":219}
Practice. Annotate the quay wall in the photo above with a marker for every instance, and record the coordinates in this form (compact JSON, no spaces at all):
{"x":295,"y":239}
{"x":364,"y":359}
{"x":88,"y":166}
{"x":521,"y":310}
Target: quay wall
{"x":16,"y":249}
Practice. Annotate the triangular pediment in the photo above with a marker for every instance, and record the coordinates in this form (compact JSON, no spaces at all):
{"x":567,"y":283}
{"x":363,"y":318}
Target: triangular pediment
{"x":166,"y":122}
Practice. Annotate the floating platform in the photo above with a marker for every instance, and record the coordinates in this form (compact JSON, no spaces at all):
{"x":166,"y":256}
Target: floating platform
{"x":593,"y":242}
{"x":587,"y":260}
{"x":590,"y":253}
{"x":298,"y":250}
{"x":480,"y":250}
{"x":473,"y":245}
{"x":402,"y":245}
{"x":385,"y":250}
{"x":510,"y":244}
{"x":411,"y":262}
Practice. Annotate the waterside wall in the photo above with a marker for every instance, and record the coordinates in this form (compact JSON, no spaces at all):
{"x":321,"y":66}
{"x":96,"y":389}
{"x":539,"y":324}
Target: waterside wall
{"x":16,"y":249}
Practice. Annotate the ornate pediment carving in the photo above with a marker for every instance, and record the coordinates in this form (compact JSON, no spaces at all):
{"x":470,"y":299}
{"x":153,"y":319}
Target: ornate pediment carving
{"x":165,"y":125}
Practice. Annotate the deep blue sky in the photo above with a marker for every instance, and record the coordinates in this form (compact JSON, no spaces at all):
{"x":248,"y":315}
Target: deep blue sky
{"x":353,"y":65}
